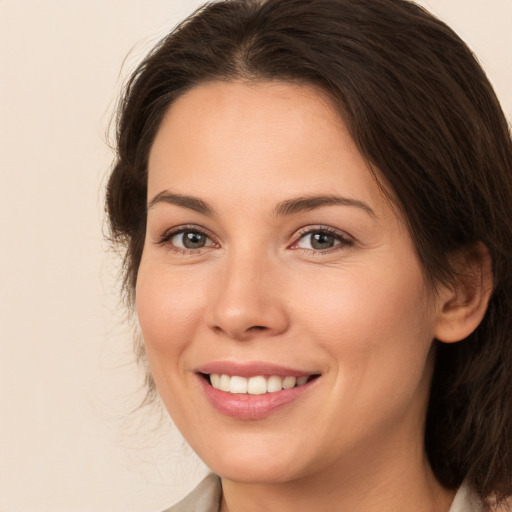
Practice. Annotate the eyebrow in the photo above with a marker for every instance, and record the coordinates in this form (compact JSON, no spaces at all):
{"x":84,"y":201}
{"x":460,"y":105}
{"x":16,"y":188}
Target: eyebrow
{"x":189,"y":202}
{"x":307,"y":203}
{"x":285,"y":208}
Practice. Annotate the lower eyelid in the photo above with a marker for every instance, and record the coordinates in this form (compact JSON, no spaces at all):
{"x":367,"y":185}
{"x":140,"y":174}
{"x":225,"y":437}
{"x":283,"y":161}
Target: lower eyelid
{"x":208,"y":240}
{"x":307,"y":239}
{"x":340,"y":238}
{"x":168,"y":235}
{"x":166,"y":238}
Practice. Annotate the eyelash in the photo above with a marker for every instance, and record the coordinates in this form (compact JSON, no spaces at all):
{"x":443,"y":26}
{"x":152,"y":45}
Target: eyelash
{"x":343,"y":240}
{"x":169,"y":235}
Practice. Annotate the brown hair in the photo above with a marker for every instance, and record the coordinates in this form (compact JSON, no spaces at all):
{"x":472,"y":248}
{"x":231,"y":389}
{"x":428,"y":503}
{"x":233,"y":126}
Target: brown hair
{"x":423,"y":113}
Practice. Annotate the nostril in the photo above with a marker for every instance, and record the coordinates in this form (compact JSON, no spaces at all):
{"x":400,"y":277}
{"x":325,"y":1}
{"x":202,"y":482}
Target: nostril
{"x":252,"y":328}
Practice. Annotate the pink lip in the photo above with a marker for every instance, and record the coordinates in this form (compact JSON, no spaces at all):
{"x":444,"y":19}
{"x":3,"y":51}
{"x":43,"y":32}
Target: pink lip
{"x":251,"y":369}
{"x":245,"y":406}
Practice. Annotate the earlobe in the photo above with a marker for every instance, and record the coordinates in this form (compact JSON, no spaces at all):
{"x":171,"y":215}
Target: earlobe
{"x":464,"y":304}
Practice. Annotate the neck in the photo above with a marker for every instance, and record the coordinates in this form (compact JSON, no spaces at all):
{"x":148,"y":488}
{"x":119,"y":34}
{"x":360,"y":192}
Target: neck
{"x":389,"y":480}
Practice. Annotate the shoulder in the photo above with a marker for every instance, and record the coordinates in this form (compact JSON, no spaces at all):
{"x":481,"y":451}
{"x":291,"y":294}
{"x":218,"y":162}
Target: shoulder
{"x":204,"y":498}
{"x":466,"y":500}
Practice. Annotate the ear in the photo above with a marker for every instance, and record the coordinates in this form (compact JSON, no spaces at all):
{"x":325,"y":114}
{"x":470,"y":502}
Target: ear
{"x":463,"y":305}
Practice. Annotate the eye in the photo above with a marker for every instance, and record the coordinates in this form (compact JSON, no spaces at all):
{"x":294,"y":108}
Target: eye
{"x":189,"y":239}
{"x":186,"y":239}
{"x":321,"y":240}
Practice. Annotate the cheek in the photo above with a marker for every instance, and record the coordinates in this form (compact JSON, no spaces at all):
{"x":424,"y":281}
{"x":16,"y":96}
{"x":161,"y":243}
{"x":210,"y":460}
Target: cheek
{"x":169,"y":305}
{"x":371,"y":323}
{"x":363,"y":299}
{"x":377,"y":335}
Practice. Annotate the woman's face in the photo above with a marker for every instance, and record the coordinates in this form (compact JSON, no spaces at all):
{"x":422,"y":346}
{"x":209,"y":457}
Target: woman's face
{"x":273,"y":258}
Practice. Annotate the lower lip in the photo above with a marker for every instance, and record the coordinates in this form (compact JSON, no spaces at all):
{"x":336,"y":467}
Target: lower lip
{"x":251,"y":407}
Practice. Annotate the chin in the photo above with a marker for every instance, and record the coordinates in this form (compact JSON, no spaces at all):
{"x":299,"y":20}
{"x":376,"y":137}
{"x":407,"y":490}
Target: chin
{"x":246,"y":472}
{"x":250,"y":465}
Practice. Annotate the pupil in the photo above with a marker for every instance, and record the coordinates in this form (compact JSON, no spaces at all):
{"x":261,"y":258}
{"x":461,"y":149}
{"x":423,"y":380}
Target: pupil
{"x":322,"y":241}
{"x":192,"y":240}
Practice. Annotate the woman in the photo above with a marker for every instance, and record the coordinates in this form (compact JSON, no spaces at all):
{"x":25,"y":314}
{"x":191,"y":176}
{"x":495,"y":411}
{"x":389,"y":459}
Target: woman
{"x":315,"y":200}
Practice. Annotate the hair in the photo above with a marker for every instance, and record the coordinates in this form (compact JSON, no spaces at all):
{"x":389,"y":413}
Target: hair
{"x":424,"y":115}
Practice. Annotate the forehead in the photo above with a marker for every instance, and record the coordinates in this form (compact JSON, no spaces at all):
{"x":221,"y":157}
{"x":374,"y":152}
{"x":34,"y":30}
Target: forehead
{"x":245,"y":112}
{"x":248,"y":140}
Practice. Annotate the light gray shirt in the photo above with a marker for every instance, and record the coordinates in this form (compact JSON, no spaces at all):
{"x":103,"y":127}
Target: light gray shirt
{"x":207,"y":495}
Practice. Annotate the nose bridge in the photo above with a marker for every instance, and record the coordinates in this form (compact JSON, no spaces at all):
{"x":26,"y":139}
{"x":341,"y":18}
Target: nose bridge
{"x":248,"y":299}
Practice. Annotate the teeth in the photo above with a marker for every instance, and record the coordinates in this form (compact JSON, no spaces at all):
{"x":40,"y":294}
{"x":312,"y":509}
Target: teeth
{"x":215,"y":380}
{"x":237,"y":385}
{"x":255,"y":385}
{"x":289,"y":382}
{"x":274,"y":384}
{"x":301,"y":380}
{"x":224,"y":381}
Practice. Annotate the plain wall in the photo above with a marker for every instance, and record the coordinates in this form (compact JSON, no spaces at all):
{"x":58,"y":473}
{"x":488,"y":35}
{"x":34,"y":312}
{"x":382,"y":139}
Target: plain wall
{"x":67,"y":378}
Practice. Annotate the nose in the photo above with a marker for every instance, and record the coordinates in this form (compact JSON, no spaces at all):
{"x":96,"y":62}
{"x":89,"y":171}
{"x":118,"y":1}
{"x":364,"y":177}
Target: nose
{"x":248,"y":299}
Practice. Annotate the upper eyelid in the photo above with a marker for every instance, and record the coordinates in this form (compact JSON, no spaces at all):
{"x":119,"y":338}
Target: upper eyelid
{"x":171,"y":232}
{"x":344,"y":239}
{"x":319,"y":229}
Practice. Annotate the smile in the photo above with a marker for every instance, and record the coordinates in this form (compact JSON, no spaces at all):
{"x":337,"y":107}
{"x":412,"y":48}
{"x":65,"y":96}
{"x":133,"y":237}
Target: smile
{"x":257,"y":385}
{"x":255,"y":390}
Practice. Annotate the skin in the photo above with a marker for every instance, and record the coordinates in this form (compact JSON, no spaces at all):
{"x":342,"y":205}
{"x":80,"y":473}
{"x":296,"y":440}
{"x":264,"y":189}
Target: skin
{"x":360,"y":313}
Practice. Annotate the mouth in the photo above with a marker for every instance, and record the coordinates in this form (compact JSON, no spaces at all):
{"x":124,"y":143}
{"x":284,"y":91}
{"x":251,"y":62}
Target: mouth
{"x":253,"y":390}
{"x":256,"y":385}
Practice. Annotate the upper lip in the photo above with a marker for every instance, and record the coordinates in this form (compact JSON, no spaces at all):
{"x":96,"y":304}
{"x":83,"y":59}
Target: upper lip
{"x":251,"y":369}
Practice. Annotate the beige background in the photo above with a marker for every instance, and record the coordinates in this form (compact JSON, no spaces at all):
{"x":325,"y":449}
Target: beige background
{"x":67,"y":378}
